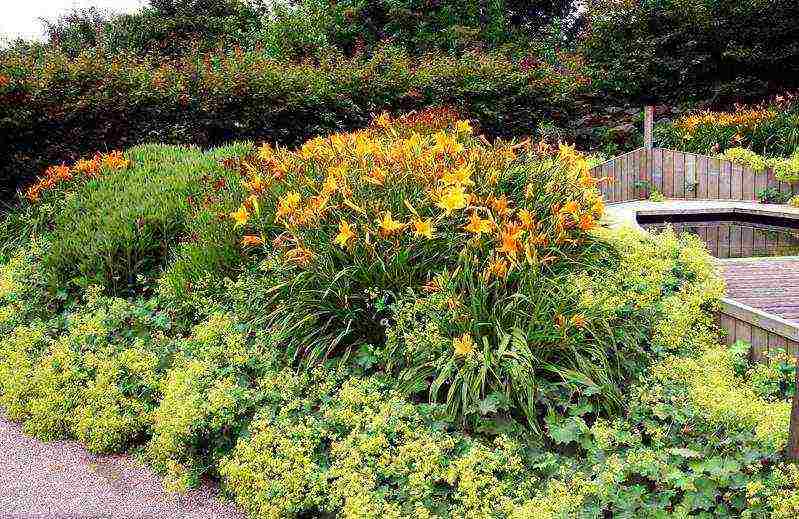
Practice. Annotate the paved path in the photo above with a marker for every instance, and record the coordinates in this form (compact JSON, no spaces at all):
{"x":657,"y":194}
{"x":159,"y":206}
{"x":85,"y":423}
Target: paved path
{"x":771,"y":285}
{"x":61,"y":480}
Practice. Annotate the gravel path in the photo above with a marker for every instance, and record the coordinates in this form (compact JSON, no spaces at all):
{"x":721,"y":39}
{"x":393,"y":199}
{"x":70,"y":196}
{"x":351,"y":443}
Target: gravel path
{"x":61,"y":480}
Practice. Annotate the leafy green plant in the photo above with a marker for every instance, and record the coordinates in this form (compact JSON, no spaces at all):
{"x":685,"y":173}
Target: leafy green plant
{"x":122,"y":226}
{"x":772,"y":195}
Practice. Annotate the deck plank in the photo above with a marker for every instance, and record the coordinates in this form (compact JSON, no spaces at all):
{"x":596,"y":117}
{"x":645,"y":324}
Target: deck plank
{"x":771,"y":285}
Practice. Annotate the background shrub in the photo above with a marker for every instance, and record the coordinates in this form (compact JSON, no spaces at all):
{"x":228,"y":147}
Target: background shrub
{"x":718,"y":50}
{"x":58,"y":108}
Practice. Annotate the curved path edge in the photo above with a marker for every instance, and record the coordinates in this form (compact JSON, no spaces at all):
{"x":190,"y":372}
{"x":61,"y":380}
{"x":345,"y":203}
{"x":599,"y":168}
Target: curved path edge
{"x":62,"y":480}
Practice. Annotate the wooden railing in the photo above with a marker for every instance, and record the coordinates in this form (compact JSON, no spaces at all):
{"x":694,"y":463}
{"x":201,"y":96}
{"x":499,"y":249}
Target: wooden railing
{"x":677,"y":174}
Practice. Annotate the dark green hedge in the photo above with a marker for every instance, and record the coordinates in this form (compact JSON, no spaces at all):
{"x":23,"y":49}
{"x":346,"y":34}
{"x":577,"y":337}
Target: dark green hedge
{"x":719,"y":50}
{"x":54,"y":108}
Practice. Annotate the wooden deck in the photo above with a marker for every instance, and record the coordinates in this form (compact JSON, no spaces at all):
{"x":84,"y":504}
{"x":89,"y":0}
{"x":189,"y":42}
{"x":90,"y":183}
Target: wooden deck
{"x":770,"y":285}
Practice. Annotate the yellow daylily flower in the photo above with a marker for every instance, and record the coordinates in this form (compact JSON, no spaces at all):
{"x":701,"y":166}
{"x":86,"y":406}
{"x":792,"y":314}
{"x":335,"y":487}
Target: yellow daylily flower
{"x":388,"y":225}
{"x":345,"y":233}
{"x":463,"y":345}
{"x":460,"y":176}
{"x":454,"y":198}
{"x":241,"y":216}
{"x":463,"y":127}
{"x":423,"y":228}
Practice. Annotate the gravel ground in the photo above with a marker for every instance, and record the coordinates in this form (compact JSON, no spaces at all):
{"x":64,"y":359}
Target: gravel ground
{"x":61,"y":480}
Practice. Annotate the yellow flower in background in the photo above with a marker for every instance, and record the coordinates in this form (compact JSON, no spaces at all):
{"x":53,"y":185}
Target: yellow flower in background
{"x":463,"y":127}
{"x":461,"y":176}
{"x":598,"y":209}
{"x":478,"y":225}
{"x":527,"y":219}
{"x":453,"y":198}
{"x":287,"y":204}
{"x":241,"y":216}
{"x":265,"y":152}
{"x":345,"y":233}
{"x":388,"y":225}
{"x":446,"y":143}
{"x":383,"y":120}
{"x":463,"y":345}
{"x":330,"y":185}
{"x":423,"y":228}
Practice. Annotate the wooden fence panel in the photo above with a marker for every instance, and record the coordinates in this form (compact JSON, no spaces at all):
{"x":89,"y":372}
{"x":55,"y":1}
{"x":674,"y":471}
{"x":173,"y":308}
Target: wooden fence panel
{"x":668,"y":173}
{"x":748,"y":184}
{"x":679,"y":174}
{"x":690,"y":176}
{"x":747,"y":241}
{"x":713,"y":178}
{"x":725,"y":180}
{"x":701,"y":177}
{"x":761,"y":181}
{"x":736,"y":183}
{"x":657,"y":168}
{"x":675,"y":174}
{"x":735,"y":241}
{"x":643,"y":174}
{"x":724,"y":241}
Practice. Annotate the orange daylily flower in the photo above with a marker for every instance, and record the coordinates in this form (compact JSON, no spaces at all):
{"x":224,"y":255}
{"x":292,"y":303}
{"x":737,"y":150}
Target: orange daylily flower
{"x":299,"y":255}
{"x":478,"y":225}
{"x":251,"y":241}
{"x":510,"y":240}
{"x":587,"y":222}
{"x":499,"y":205}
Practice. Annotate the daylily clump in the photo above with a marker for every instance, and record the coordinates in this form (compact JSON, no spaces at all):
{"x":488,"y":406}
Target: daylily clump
{"x":395,"y":186}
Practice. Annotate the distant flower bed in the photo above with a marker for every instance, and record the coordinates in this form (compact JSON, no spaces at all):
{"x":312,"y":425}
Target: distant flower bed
{"x":771,"y":130}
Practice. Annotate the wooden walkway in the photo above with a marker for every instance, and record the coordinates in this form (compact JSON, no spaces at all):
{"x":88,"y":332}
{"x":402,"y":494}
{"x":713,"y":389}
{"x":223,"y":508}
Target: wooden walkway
{"x":771,"y":285}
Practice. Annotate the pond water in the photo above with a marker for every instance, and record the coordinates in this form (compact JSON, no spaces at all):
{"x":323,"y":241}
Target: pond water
{"x":733,"y":236}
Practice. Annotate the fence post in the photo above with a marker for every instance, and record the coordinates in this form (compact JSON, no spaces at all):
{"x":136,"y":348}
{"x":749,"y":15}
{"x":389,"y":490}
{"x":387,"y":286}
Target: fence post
{"x":649,"y":122}
{"x":793,"y":439}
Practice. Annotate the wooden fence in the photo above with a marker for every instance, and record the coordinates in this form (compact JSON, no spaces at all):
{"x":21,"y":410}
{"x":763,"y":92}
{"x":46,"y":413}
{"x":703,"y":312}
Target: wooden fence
{"x":678,"y":174}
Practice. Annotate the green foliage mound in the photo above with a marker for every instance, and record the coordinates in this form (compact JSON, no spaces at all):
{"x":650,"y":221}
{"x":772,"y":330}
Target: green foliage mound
{"x":402,"y":393}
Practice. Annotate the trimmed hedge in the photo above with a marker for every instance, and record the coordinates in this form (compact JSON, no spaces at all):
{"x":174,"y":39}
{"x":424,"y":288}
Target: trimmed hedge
{"x":54,"y":108}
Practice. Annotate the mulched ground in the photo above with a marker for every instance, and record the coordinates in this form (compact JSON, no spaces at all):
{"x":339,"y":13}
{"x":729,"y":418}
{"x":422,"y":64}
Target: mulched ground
{"x":61,"y":480}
